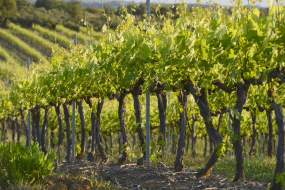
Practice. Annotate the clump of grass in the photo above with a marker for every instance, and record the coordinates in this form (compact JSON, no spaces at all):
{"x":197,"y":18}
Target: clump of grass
{"x":91,"y":181}
{"x":257,"y":168}
{"x":196,"y":163}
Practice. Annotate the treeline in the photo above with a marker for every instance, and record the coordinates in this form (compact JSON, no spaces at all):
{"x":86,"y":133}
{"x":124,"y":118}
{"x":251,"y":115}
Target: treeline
{"x":71,"y":14}
{"x":49,"y":13}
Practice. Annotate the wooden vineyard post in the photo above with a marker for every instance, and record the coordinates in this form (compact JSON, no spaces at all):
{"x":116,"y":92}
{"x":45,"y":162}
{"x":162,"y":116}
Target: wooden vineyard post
{"x":29,"y":112}
{"x":148,"y":107}
{"x":73,"y":117}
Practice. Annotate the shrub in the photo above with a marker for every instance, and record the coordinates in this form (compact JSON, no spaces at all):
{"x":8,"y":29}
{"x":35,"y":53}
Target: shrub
{"x":23,"y":165}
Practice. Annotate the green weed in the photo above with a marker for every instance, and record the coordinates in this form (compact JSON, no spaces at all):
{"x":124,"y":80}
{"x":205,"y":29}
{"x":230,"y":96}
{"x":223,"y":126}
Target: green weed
{"x":21,"y":165}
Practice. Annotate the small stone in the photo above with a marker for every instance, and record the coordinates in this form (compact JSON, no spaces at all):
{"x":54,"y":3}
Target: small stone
{"x":249,"y":184}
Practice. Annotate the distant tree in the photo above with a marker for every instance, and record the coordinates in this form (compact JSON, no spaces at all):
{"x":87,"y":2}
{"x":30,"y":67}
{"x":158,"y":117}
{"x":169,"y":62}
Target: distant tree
{"x":263,"y":12}
{"x":142,"y":9}
{"x":94,"y":10}
{"x":21,"y":3}
{"x":8,"y":8}
{"x":164,"y":10}
{"x":48,"y":4}
{"x":108,"y":9}
{"x":135,"y":9}
{"x":75,"y":10}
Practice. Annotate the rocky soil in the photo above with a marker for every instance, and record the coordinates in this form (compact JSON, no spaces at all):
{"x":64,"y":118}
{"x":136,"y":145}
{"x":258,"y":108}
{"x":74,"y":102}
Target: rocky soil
{"x":81,"y":175}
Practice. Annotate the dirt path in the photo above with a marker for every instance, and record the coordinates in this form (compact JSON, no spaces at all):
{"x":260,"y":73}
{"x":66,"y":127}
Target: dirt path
{"x":132,"y":177}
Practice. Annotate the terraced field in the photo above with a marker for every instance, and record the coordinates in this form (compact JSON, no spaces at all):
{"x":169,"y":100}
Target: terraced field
{"x":18,"y":43}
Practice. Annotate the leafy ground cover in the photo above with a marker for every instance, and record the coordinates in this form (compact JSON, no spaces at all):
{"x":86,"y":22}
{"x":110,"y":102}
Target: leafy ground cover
{"x":20,"y":165}
{"x":94,"y":175}
{"x":257,"y":168}
{"x":129,"y":176}
{"x":260,"y":169}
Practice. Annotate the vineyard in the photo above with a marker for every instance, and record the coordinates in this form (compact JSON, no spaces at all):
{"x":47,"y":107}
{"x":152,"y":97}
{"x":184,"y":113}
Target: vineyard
{"x":207,"y":86}
{"x":37,"y":43}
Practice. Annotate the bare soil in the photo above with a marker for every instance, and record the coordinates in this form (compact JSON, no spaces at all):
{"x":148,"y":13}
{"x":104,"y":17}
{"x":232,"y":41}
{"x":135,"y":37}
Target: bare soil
{"x":131,"y":176}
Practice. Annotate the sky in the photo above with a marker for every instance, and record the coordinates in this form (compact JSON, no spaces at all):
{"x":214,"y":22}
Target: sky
{"x":221,"y":2}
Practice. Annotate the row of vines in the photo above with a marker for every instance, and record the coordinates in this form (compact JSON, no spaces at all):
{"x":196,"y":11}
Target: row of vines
{"x":223,"y":69}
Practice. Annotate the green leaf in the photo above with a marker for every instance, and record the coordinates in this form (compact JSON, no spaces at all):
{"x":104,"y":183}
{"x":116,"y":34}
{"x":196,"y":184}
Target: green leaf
{"x":256,"y":15}
{"x":145,"y":51}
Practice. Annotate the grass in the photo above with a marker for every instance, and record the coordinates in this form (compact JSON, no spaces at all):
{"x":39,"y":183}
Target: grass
{"x":31,"y":35}
{"x":79,"y":180}
{"x":9,"y":135}
{"x":257,"y":168}
{"x":22,"y":45}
